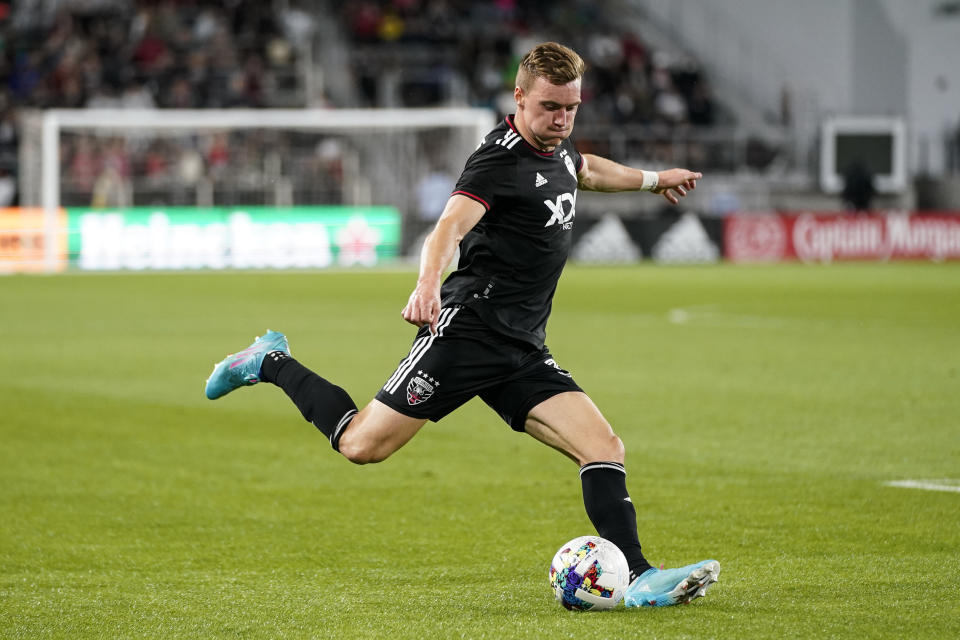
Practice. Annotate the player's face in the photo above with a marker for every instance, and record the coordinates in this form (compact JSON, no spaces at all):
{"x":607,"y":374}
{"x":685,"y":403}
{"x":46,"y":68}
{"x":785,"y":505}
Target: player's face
{"x":545,"y":113}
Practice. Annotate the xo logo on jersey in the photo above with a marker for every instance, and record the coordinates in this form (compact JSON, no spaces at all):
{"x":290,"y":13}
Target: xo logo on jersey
{"x":558,"y":214}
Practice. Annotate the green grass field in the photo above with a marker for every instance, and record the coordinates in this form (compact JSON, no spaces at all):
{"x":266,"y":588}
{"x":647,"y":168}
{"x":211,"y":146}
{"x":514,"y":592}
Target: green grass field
{"x":763,"y":410}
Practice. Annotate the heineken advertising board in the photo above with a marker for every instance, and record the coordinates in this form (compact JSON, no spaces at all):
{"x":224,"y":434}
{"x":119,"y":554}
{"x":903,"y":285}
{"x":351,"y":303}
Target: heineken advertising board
{"x":232,"y":237}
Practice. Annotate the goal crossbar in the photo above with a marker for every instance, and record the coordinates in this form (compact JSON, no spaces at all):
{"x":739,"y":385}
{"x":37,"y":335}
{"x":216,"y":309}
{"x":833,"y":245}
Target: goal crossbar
{"x":53,"y":121}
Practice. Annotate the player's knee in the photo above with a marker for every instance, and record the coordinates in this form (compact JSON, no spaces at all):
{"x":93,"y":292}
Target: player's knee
{"x":612,"y":449}
{"x":359,"y":450}
{"x":356,"y":443}
{"x":619,"y":449}
{"x":608,"y":448}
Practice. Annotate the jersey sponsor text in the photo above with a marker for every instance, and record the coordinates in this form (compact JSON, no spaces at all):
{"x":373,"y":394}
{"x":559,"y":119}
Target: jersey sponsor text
{"x":557,"y":213}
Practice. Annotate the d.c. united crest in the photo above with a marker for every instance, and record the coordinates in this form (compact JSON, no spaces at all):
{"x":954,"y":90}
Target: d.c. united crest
{"x":418,"y":389}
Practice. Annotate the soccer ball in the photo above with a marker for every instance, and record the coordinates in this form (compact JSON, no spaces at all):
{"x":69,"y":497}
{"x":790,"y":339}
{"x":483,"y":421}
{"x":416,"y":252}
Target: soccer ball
{"x":589,"y":573}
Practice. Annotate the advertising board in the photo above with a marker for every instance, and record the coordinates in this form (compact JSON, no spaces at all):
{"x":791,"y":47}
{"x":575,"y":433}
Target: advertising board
{"x":822,"y":237}
{"x":23,"y":239}
{"x":232,"y":238}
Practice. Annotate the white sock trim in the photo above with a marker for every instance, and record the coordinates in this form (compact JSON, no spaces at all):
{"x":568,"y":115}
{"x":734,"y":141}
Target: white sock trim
{"x":590,"y":466}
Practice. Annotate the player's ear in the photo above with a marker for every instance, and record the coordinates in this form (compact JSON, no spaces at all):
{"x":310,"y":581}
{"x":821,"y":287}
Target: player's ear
{"x":518,"y":96}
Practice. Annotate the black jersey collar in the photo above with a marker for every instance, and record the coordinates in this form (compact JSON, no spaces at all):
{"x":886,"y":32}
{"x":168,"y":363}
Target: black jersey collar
{"x":547,"y":154}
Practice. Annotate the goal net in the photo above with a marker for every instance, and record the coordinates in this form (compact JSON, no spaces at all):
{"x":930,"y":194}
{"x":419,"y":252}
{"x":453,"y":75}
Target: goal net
{"x":103,"y":177}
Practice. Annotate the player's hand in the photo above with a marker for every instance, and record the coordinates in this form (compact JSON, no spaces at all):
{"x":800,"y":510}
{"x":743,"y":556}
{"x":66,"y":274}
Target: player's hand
{"x":423,"y":307}
{"x":674,"y":184}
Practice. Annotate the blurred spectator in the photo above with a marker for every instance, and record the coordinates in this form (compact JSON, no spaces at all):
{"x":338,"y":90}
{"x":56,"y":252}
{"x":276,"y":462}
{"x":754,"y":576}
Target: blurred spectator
{"x":363,"y":20}
{"x":8,"y":188}
{"x":669,"y":105}
{"x":83,"y":165}
{"x":858,"y":188}
{"x":189,"y":167}
{"x":197,"y":76}
{"x":104,"y":97}
{"x":217,"y":154}
{"x":254,"y":87}
{"x":298,"y":26}
{"x":26,"y":76}
{"x":112,"y":186}
{"x":235,"y":94}
{"x":116,"y":157}
{"x":700,"y":105}
{"x":180,"y":94}
{"x":71,"y":92}
{"x":155,"y":170}
{"x":136,"y":96}
{"x":110,"y":190}
{"x":8,"y":137}
{"x":151,"y":55}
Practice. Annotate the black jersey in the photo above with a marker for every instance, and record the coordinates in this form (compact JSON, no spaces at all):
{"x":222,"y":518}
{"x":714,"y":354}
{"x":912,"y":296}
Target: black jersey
{"x":511,"y":260}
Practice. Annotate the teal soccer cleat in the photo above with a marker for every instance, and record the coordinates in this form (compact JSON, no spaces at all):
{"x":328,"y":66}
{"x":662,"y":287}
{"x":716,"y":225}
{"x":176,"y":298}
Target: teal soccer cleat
{"x":243,"y":368}
{"x":666,"y":587}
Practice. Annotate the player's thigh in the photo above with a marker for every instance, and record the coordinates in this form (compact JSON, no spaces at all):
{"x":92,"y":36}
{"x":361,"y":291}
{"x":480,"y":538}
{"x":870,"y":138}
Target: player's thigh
{"x":571,"y":423}
{"x":376,"y":432}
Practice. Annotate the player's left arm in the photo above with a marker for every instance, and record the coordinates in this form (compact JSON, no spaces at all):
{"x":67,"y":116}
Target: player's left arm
{"x":600,"y":174}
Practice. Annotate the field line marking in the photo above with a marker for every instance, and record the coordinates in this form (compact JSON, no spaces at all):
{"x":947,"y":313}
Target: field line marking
{"x":712,"y":315}
{"x":926,"y":485}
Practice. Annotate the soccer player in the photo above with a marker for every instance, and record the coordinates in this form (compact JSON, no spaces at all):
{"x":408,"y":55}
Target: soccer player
{"x":481,"y":333}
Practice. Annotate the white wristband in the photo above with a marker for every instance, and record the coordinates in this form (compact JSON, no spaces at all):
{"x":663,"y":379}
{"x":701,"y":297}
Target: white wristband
{"x":650,"y":180}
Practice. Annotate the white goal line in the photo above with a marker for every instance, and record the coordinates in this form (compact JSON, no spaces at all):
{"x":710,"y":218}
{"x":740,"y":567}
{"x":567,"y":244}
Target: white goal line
{"x":927,"y":485}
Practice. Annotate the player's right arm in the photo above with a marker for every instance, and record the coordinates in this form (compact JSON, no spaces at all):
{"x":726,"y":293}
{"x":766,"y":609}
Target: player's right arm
{"x":459,"y":216}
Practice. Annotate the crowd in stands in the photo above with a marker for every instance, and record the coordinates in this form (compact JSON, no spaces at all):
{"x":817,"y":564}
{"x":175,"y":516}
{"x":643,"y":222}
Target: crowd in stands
{"x":637,"y":99}
{"x":245,"y":53}
{"x":481,"y":42}
{"x":146,"y":54}
{"x":185,"y":54}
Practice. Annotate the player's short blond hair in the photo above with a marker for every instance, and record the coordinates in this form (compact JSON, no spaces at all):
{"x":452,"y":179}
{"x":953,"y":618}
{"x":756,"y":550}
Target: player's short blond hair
{"x":551,"y":61}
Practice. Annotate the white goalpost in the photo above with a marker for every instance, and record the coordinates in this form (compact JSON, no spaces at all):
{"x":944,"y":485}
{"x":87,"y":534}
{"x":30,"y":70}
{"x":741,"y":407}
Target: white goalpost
{"x":270,"y":157}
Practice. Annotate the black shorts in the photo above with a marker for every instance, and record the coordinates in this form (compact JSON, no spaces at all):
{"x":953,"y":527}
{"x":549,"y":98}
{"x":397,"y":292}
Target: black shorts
{"x":465,"y":358}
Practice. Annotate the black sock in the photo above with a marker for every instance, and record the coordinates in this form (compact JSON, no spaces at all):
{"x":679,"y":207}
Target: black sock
{"x":611,"y":510}
{"x":328,"y":407}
